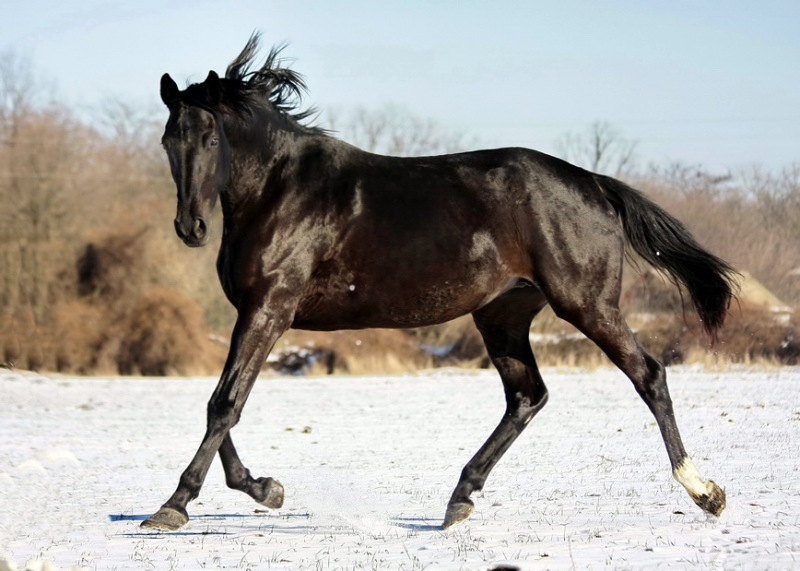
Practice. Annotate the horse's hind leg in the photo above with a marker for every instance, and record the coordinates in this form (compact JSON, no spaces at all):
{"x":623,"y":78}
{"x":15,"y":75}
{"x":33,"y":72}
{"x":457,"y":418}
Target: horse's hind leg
{"x":266,"y":491}
{"x":505,"y":327}
{"x":605,"y":325}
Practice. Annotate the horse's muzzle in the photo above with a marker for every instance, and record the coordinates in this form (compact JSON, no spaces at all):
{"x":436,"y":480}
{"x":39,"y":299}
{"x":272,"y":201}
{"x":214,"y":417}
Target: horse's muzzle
{"x":194,"y":234}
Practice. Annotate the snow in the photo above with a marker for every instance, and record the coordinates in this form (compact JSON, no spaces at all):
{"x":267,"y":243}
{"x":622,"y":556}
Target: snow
{"x":84,"y":460}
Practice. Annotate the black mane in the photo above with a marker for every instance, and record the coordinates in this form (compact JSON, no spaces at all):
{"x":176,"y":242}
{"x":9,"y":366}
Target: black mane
{"x":245,"y":89}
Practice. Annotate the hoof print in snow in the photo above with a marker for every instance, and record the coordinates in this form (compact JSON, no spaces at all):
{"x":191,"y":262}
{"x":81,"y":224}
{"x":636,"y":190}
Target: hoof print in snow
{"x":167,"y":519}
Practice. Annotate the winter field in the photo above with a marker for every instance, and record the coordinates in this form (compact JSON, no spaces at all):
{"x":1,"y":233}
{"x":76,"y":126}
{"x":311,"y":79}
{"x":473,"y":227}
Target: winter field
{"x":369,"y":463}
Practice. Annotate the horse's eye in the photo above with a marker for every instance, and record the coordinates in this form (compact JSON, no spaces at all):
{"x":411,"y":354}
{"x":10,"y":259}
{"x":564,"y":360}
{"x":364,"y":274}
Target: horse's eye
{"x":214,"y":141}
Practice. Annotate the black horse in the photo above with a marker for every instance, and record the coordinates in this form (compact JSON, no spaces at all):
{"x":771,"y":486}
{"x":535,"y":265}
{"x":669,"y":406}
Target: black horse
{"x":318,"y":234}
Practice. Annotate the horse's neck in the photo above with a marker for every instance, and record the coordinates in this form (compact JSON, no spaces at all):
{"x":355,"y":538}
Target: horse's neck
{"x":255,"y":163}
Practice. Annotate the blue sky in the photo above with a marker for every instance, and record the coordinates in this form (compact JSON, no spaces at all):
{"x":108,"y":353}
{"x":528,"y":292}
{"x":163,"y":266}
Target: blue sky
{"x":711,"y":83}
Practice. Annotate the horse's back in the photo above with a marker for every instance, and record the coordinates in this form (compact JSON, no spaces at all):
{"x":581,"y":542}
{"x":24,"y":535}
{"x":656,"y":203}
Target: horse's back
{"x":424,"y":240}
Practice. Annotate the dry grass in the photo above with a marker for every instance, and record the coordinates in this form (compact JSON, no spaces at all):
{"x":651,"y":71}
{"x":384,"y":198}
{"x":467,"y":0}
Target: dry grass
{"x":750,"y":334}
{"x":88,"y":345}
{"x":114,"y":317}
{"x":93,"y":280}
{"x":361,"y":352}
{"x":119,"y":318}
{"x":164,"y":333}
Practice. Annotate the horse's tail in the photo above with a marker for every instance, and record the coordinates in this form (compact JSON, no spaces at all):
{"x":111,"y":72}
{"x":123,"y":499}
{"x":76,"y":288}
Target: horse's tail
{"x":665,"y":243}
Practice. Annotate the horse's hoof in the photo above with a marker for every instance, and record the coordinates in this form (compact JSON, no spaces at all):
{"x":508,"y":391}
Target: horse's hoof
{"x":270,"y":493}
{"x":168,"y":519}
{"x":457,"y":511}
{"x":713,"y":501}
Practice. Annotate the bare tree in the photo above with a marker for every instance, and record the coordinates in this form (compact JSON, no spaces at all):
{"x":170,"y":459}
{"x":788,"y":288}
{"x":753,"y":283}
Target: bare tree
{"x":601,"y":148}
{"x":393,"y":130}
{"x":39,"y":163}
{"x":132,"y":128}
{"x":17,"y":90}
{"x":693,"y":180}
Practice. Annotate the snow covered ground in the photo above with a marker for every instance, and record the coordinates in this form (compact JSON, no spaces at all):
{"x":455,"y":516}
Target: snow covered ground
{"x":369,"y":463}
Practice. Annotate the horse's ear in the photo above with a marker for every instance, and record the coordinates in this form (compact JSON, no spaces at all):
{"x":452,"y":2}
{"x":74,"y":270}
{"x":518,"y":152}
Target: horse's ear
{"x":214,"y":87}
{"x":169,"y":91}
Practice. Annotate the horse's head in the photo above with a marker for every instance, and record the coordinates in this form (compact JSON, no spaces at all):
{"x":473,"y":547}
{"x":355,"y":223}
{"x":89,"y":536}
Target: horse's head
{"x":198,"y":153}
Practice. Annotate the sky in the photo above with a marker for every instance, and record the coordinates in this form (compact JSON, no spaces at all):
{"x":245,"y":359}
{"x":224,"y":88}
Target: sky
{"x":714,"y":84}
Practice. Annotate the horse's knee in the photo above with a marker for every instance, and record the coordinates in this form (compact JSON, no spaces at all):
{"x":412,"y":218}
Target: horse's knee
{"x":222,"y":415}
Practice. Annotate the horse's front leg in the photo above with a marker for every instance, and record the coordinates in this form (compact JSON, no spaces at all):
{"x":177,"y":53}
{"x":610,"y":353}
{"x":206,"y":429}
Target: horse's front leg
{"x":257,"y":328}
{"x":266,"y":491}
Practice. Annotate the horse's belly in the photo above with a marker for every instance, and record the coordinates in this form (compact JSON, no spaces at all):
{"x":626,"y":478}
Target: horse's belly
{"x":395,"y":303}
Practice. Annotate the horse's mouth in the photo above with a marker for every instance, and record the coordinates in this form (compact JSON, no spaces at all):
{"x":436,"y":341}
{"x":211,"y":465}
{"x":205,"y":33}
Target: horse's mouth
{"x":194,"y":235}
{"x":193,"y":242}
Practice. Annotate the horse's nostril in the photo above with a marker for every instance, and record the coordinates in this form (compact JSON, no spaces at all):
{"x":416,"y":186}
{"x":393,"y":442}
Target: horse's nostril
{"x":199,"y":228}
{"x":178,"y":230}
